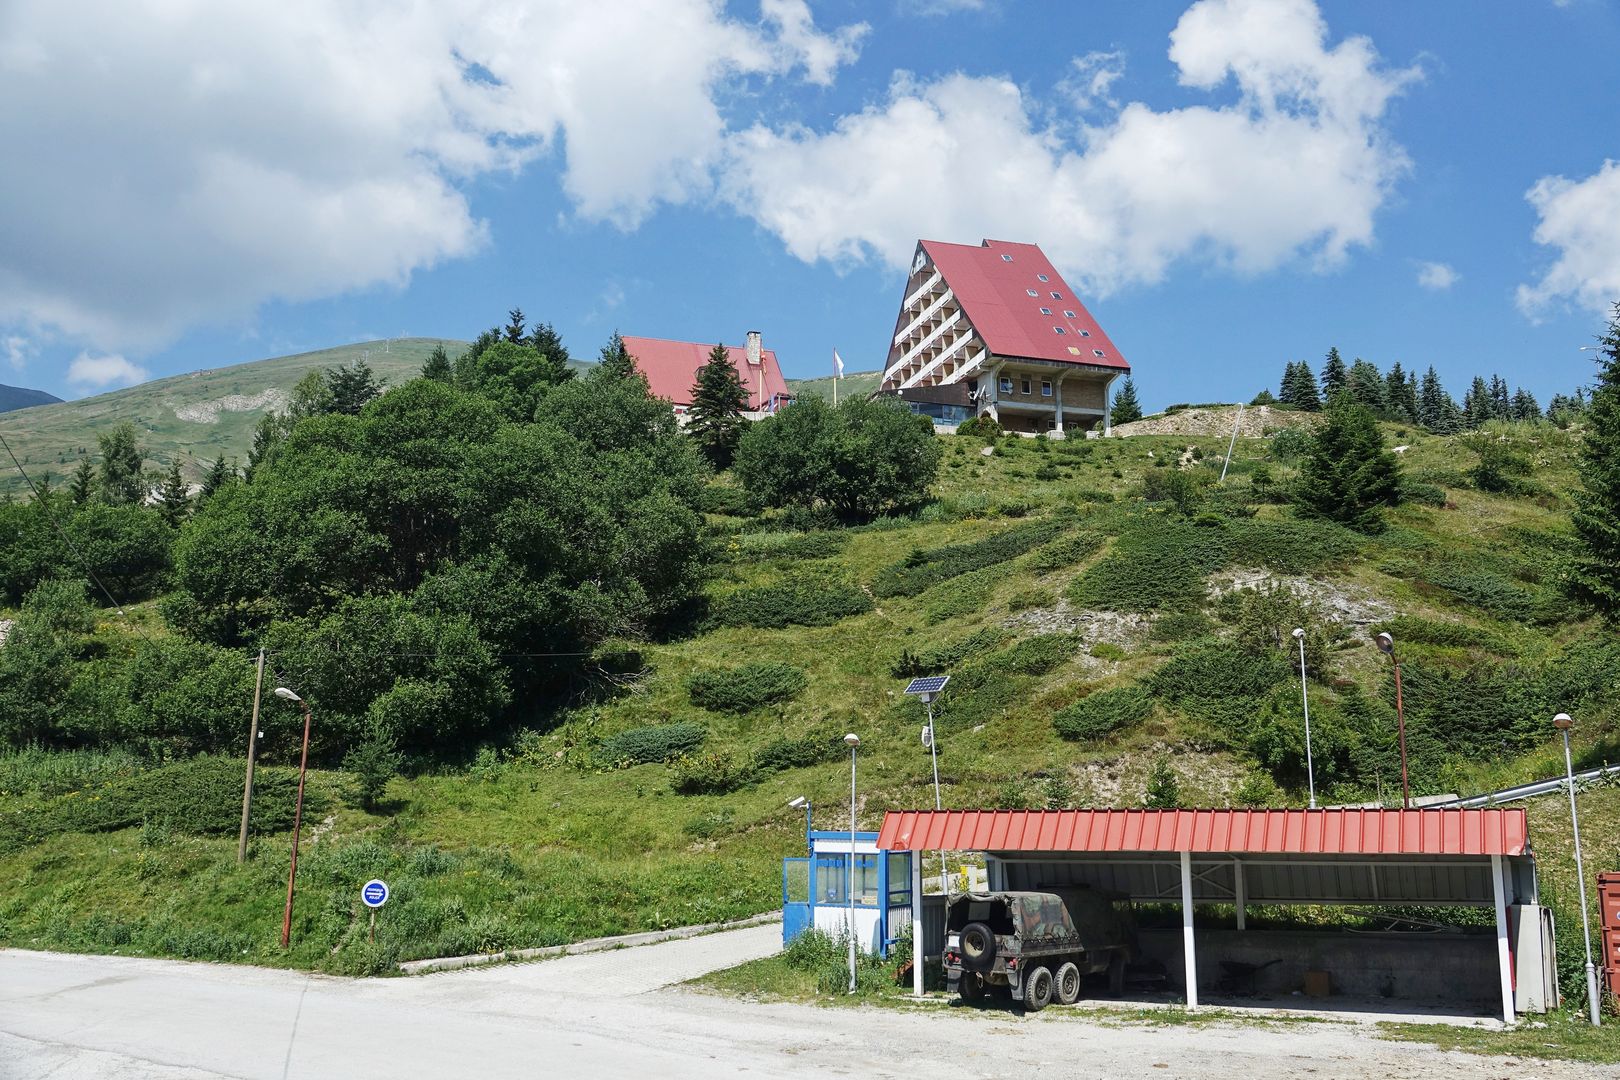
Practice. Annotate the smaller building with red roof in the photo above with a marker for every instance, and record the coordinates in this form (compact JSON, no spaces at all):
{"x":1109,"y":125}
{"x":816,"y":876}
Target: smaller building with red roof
{"x":993,"y":329}
{"x":671,"y":369}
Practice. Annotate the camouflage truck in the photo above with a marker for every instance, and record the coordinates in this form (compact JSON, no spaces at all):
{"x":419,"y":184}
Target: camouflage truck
{"x":1036,"y":946}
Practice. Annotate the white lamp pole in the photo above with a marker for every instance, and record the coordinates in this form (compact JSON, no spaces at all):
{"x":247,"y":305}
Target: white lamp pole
{"x":853,"y":741}
{"x":933,"y":750}
{"x":1563,"y":723}
{"x":1305,"y":699}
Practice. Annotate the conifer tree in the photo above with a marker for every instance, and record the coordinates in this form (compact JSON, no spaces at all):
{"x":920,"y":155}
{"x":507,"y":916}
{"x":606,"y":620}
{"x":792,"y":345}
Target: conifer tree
{"x":1400,"y":393}
{"x":1524,"y":406}
{"x":1333,"y":374}
{"x":616,"y":359}
{"x":83,"y":486}
{"x":1306,"y":396}
{"x":1476,"y":404}
{"x":1596,"y":574}
{"x":515,"y":330}
{"x":718,"y":400}
{"x":351,"y":386}
{"x":438,"y":366}
{"x":219,"y":474}
{"x":548,"y":343}
{"x":1125,"y":408}
{"x":1451,"y":419}
{"x":1289,"y":383}
{"x":1501,"y":402}
{"x":1365,"y":385}
{"x":1431,"y":399}
{"x":1348,"y":476}
{"x":123,"y":479}
{"x":174,"y":497}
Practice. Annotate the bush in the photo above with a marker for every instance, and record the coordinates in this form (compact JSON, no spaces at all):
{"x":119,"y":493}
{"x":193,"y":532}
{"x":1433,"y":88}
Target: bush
{"x":645,"y":745}
{"x":965,"y":595}
{"x":1035,"y":656}
{"x":1065,"y":552}
{"x":1290,"y":444}
{"x":1290,"y":545}
{"x":792,"y":545}
{"x":1097,"y":714}
{"x":1163,"y":787}
{"x":984,"y":427}
{"x":746,"y":688}
{"x":922,"y":569}
{"x":1181,"y":488}
{"x":716,"y":772}
{"x":798,"y":751}
{"x":803,"y":599}
{"x":1418,"y":631}
{"x":909,"y":665}
{"x":1156,"y":565}
{"x":1423,"y":494}
{"x":374,"y":762}
{"x":1180,"y":626}
{"x":722,"y":499}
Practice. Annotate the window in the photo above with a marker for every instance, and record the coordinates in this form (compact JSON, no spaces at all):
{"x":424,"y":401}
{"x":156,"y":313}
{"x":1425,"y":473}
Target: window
{"x":1059,"y":330}
{"x":1043,"y":277}
{"x":1006,"y":258}
{"x":1085,"y":333}
{"x":1098,"y":352}
{"x":1024,"y":384}
{"x":1046,"y":388}
{"x":1057,"y":296}
{"x":1004,"y":384}
{"x":1046,"y":311}
{"x":1032,"y":292}
{"x":1069,"y":314}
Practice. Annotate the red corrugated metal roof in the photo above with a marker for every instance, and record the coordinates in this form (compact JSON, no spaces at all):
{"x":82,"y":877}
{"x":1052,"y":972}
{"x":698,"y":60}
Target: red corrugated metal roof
{"x":671,"y":369}
{"x":995,"y":296}
{"x":1273,"y":832}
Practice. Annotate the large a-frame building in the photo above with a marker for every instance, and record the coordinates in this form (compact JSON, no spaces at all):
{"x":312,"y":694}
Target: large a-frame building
{"x":994,"y":329}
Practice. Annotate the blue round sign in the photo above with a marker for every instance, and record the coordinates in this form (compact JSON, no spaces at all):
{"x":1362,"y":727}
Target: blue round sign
{"x":374,"y":893}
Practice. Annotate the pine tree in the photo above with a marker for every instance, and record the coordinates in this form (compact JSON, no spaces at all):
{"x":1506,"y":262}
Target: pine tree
{"x":1431,"y":400}
{"x":1365,"y":385}
{"x":83,"y":486}
{"x":1306,"y":396}
{"x":1596,"y":574}
{"x":1125,"y":408}
{"x":1333,"y":374}
{"x":1289,"y":384}
{"x":1348,"y":476}
{"x":174,"y":498}
{"x":351,"y":386}
{"x":438,"y":366}
{"x":1476,"y":404}
{"x":1451,"y":419}
{"x":547,"y":342}
{"x":515,"y":330}
{"x":616,"y":359}
{"x":218,"y":475}
{"x":1501,"y":402}
{"x":718,"y":400}
{"x":1524,"y":407}
{"x":123,"y":479}
{"x":1400,"y":393}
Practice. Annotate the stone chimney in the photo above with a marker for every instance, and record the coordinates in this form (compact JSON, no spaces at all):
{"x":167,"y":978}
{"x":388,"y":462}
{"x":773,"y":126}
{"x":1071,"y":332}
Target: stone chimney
{"x":755,"y":356}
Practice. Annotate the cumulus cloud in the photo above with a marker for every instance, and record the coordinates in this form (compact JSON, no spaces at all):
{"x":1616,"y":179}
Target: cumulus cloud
{"x":1580,"y":219}
{"x":188,"y":161}
{"x":1436,"y":275}
{"x":1296,"y":166}
{"x":16,"y":348}
{"x":1087,"y":86}
{"x":101,"y":372}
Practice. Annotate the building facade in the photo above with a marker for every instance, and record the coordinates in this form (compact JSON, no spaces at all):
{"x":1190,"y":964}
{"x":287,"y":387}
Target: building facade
{"x":993,"y":330}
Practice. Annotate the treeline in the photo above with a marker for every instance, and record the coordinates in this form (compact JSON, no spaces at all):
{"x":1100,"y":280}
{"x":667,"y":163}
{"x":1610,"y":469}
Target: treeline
{"x":1403,"y":396}
{"x":429,"y":567}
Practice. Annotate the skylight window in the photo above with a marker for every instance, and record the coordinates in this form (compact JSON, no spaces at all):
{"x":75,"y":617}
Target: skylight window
{"x":1098,"y":352}
{"x":1059,"y":330}
{"x":1070,"y":314}
{"x":1032,"y":292}
{"x":1043,"y":277}
{"x":1006,"y":258}
{"x":1046,"y":311}
{"x":1085,"y":333}
{"x":1057,"y":296}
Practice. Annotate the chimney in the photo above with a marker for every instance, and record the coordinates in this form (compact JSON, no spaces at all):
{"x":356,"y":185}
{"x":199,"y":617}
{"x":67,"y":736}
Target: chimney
{"x":755,"y":358}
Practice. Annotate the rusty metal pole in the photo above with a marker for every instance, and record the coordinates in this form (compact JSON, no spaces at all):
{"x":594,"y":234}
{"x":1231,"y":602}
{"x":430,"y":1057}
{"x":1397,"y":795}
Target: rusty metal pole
{"x":298,"y":819}
{"x":1400,"y":724}
{"x":253,"y":752}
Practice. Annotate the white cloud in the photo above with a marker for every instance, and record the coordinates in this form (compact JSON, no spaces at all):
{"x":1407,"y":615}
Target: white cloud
{"x":1094,"y":74}
{"x":189,"y":161}
{"x":1298,"y":165}
{"x":1437,"y":276}
{"x":101,"y":372}
{"x":1581,"y":219}
{"x":17,"y":349}
{"x":942,"y":7}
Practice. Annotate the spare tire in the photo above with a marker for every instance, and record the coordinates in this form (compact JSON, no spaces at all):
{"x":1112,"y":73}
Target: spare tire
{"x":978,"y":947}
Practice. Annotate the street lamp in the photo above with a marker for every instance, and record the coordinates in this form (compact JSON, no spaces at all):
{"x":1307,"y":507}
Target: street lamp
{"x":1310,"y":770}
{"x":853,"y":741}
{"x":298,"y":813}
{"x":1563,"y":723}
{"x":928,"y":688}
{"x":799,"y":802}
{"x":1386,"y":645}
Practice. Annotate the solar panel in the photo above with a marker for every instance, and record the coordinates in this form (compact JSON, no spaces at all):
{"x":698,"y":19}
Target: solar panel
{"x":928,"y":684}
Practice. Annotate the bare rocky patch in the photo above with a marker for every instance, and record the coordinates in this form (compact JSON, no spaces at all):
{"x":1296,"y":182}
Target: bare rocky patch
{"x":1347,"y":604}
{"x":207,"y":412}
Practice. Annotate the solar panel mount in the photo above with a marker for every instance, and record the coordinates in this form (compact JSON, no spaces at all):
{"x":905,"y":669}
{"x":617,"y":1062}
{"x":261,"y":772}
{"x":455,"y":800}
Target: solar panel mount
{"x":928,"y":684}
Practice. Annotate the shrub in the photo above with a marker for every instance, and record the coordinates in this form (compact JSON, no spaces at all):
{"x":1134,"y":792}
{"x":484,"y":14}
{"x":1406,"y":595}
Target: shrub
{"x":1035,"y":656}
{"x":793,"y":545}
{"x":1107,"y":650}
{"x":722,"y":499}
{"x":1181,"y":488}
{"x":922,"y":569}
{"x":1419,"y":631}
{"x":1097,"y":714}
{"x":798,"y":751}
{"x":909,"y":665}
{"x":1065,"y":552}
{"x":658,"y":742}
{"x":984,"y":427}
{"x":1290,"y":444}
{"x":1163,"y":787}
{"x":374,"y":761}
{"x":803,"y":599}
{"x":746,"y":688}
{"x":1291,"y":545}
{"x":1490,"y":591}
{"x":1027,"y":598}
{"x":715,"y":772}
{"x":1180,"y":626}
{"x":1156,"y":565}
{"x":1423,"y":494}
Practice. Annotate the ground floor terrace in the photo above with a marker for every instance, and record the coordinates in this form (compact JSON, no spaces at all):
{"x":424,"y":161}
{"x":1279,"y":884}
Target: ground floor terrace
{"x":1028,"y":396}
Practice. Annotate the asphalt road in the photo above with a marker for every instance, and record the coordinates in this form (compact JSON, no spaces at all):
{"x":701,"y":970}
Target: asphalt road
{"x":612,"y":1014}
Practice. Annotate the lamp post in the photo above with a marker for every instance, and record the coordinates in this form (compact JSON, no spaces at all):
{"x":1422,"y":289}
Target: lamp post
{"x":298,"y":813}
{"x":1386,"y":645}
{"x":853,"y":741}
{"x":928,"y":688}
{"x":1563,"y":723}
{"x":799,"y":802}
{"x":1305,"y":700}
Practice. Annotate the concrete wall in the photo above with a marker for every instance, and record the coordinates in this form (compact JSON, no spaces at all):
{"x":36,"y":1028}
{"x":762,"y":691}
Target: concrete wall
{"x":1426,"y":969}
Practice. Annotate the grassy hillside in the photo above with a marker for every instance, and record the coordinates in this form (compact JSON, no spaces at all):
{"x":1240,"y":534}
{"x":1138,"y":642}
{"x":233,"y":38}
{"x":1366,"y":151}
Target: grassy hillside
{"x":197,"y":416}
{"x":1039,"y":577}
{"x":854,"y":384}
{"x":19,"y":397}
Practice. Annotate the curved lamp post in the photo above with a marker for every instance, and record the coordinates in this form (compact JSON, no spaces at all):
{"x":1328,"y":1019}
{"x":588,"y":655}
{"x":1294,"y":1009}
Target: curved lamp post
{"x":1563,"y":723}
{"x":1305,"y":700}
{"x":853,"y":741}
{"x":1386,"y":645}
{"x":298,"y":813}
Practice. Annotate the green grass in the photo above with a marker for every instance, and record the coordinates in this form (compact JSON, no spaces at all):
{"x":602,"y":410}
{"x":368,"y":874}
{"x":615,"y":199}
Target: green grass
{"x":853,"y":384}
{"x":1560,"y":1037}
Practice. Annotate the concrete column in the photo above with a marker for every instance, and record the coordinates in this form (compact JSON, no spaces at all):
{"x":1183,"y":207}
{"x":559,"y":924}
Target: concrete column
{"x":917,"y":949}
{"x":1057,"y":395}
{"x":1504,"y":959}
{"x":1189,"y":951}
{"x":1108,"y":406}
{"x":1240,"y":895}
{"x":995,"y":393}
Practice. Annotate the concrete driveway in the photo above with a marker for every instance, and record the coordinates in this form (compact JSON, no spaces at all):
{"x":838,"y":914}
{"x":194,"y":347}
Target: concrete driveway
{"x":604,"y":1015}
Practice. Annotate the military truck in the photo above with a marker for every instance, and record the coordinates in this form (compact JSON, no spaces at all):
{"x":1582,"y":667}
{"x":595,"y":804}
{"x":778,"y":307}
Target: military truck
{"x":1037,"y":946}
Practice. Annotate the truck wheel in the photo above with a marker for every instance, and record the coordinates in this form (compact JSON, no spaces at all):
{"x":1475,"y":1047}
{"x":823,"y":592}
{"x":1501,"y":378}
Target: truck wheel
{"x":978,"y":947}
{"x":1116,"y":974}
{"x":1067,"y":982}
{"x":1037,"y":989}
{"x":970,"y":987}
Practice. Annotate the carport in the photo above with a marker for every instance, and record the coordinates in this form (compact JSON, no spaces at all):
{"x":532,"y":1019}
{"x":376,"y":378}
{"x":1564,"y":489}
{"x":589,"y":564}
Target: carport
{"x":1242,"y":858}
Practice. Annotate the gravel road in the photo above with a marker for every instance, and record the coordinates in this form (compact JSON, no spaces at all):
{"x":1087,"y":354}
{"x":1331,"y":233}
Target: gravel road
{"x":613,"y":1014}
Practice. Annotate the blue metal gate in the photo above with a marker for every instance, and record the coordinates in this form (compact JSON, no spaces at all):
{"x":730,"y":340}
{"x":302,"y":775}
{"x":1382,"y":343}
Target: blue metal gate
{"x":796,"y":914}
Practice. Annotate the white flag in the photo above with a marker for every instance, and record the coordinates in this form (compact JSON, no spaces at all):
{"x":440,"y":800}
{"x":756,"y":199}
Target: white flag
{"x":838,"y":364}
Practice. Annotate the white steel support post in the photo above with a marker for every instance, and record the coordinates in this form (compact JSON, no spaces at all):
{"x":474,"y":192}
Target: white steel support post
{"x":995,"y":393}
{"x":1108,"y":406}
{"x":1189,"y":951}
{"x":917,"y":950}
{"x":1057,"y":397}
{"x":1240,"y":895}
{"x":1504,"y":960}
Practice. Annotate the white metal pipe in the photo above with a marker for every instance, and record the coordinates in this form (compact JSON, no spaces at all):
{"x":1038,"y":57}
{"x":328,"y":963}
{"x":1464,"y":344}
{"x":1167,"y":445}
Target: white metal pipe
{"x":851,"y":898}
{"x":1231,"y":445}
{"x":1189,"y":951}
{"x":1504,"y":959}
{"x":1305,"y":700}
{"x":917,"y":950}
{"x":1580,"y":879}
{"x":1240,"y":895}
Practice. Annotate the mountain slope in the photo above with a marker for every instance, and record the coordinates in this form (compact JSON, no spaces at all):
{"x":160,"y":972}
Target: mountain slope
{"x":854,"y":384}
{"x":19,"y":397}
{"x":195,"y":417}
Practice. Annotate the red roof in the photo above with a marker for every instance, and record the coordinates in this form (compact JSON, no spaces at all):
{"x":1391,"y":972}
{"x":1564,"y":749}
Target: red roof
{"x":1272,"y":832}
{"x":994,"y":283}
{"x":671,"y":369}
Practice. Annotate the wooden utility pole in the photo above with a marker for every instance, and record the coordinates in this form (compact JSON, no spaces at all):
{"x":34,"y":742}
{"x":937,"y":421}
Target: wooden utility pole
{"x":253,"y":751}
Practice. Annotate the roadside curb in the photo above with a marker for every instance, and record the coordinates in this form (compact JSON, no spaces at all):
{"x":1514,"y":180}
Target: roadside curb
{"x":590,"y":945}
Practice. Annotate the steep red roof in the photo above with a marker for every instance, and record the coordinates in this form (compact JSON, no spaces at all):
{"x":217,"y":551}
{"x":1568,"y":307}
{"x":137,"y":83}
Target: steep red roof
{"x":1000,"y":289}
{"x":671,"y":369}
{"x":1275,"y":832}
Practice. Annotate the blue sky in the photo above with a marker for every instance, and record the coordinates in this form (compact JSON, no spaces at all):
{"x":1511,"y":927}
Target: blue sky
{"x":1228,"y":184}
